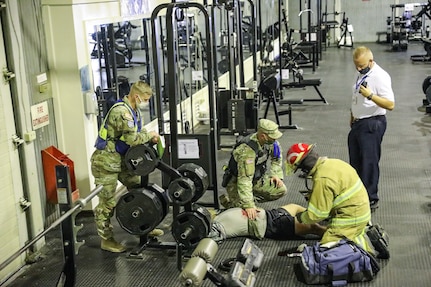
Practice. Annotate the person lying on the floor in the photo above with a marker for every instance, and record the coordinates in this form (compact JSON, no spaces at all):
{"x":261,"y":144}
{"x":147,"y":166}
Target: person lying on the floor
{"x":279,"y":224}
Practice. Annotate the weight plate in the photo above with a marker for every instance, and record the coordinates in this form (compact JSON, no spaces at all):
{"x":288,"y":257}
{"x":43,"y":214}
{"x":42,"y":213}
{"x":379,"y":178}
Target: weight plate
{"x":139,"y":211}
{"x":426,"y":83}
{"x":204,"y":212}
{"x":199,"y":177}
{"x":162,"y":195}
{"x":223,"y":66}
{"x":189,"y":227}
{"x":428,"y":94}
{"x":181,"y":190}
{"x":141,"y":159}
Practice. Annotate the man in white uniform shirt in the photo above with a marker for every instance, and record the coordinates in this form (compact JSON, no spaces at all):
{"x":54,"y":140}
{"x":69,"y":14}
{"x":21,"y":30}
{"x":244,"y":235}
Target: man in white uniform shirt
{"x":372,"y":97}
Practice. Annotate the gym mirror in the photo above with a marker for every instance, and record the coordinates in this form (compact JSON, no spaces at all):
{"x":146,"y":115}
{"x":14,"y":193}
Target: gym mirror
{"x":120,"y":55}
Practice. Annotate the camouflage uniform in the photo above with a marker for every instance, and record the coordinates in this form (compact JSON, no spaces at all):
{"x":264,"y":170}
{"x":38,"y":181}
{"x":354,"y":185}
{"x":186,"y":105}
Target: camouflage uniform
{"x":241,"y":189}
{"x":107,"y":165}
{"x":234,"y":222}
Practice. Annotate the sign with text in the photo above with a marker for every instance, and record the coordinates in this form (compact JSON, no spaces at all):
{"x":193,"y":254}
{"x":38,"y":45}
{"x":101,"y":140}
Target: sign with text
{"x":39,"y":115}
{"x":188,"y":149}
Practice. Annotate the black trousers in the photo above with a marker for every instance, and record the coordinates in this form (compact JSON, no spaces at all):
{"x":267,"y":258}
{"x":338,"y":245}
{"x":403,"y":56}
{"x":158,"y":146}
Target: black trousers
{"x":364,"y":141}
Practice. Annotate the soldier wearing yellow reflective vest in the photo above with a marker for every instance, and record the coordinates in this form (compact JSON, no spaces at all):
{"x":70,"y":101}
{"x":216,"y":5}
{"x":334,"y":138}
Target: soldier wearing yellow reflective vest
{"x":121,"y":129}
{"x":337,"y":195}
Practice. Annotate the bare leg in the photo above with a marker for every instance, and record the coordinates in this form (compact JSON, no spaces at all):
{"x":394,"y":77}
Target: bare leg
{"x":302,"y":229}
{"x":293,"y":209}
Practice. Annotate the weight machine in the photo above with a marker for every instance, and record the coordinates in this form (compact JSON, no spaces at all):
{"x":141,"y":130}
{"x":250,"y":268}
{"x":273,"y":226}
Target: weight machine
{"x":327,"y":25}
{"x":291,"y":63}
{"x":117,"y":42}
{"x":104,"y":50}
{"x":400,"y":28}
{"x":408,"y":26}
{"x":273,"y":83}
{"x":237,"y":105}
{"x":312,"y":37}
{"x":190,"y":54}
{"x":184,"y":142}
{"x":425,"y":11}
{"x":346,"y":31}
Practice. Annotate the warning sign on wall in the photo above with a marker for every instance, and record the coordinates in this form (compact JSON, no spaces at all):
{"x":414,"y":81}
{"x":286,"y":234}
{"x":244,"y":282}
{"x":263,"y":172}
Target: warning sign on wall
{"x":39,"y":115}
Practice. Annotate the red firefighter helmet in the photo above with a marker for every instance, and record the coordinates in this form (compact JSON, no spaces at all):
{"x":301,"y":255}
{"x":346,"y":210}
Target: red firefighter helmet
{"x":296,"y":154}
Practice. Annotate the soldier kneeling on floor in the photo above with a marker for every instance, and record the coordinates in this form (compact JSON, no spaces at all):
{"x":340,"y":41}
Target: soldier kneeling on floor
{"x":254,"y":172}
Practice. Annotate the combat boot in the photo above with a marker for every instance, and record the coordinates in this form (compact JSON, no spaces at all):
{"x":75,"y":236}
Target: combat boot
{"x":155,"y":232}
{"x":112,"y":246}
{"x":224,"y":201}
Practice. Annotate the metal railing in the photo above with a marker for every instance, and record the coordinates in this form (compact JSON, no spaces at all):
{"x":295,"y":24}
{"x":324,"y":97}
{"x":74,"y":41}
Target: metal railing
{"x":67,"y":209}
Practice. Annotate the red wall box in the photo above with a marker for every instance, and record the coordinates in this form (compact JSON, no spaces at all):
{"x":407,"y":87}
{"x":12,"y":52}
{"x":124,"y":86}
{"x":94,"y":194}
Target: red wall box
{"x":51,"y":157}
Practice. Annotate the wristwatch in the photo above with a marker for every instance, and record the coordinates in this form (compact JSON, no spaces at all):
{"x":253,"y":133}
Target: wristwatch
{"x":370,"y":96}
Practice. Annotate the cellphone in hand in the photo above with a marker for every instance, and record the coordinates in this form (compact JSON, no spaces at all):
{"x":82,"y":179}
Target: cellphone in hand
{"x":365,"y":84}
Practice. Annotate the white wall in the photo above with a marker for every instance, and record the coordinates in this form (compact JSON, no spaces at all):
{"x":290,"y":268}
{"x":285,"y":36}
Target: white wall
{"x":68,"y":52}
{"x":9,"y":219}
{"x":369,"y":17}
{"x":13,"y":224}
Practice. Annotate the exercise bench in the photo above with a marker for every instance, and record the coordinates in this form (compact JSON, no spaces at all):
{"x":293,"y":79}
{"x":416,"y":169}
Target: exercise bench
{"x":308,"y":83}
{"x":289,"y":110}
{"x":272,"y":100}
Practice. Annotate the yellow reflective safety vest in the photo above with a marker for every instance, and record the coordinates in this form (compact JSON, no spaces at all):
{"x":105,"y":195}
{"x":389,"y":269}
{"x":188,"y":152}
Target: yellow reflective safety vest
{"x":120,"y":145}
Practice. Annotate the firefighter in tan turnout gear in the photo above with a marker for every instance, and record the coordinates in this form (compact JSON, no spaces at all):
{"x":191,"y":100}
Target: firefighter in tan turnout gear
{"x":121,"y":129}
{"x":337,"y":195}
{"x":255,"y":172}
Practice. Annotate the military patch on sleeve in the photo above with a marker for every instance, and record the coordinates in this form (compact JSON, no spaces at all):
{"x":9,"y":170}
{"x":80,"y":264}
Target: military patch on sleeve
{"x":128,"y":117}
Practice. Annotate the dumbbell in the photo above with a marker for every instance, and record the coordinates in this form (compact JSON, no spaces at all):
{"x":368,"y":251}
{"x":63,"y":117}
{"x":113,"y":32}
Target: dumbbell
{"x":196,"y":268}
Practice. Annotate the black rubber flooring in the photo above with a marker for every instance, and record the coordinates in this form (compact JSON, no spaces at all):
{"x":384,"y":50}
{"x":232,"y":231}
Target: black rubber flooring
{"x":405,"y":190}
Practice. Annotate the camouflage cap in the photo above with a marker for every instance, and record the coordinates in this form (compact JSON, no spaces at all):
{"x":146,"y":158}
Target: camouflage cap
{"x":270,"y":128}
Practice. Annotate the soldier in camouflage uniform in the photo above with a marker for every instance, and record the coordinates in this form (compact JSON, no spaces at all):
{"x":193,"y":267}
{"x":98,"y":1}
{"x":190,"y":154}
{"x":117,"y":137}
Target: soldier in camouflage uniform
{"x":255,"y":170}
{"x":121,"y":129}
